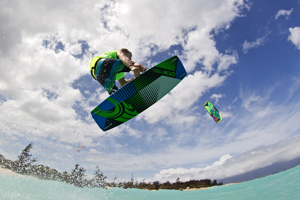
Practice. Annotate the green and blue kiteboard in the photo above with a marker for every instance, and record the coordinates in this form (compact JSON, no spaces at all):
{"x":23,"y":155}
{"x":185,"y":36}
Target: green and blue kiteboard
{"x":139,"y":94}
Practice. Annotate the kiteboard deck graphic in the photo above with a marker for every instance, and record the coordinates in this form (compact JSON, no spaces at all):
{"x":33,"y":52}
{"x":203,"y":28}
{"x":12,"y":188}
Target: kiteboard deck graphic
{"x":139,"y":94}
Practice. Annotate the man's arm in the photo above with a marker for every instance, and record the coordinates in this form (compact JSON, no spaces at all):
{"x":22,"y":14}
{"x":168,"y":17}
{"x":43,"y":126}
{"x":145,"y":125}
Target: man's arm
{"x":124,"y":81}
{"x":125,"y":56}
{"x":137,"y":68}
{"x":127,"y":62}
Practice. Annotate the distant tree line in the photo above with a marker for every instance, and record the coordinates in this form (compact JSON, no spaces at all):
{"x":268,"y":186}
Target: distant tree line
{"x":156,"y":185}
{"x":25,"y":165}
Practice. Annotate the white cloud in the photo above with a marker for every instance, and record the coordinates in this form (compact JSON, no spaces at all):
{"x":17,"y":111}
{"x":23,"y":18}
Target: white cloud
{"x":285,"y":13}
{"x":229,"y":166}
{"x":247,"y":103}
{"x":225,"y":114}
{"x":294,"y":36}
{"x":74,"y":49}
{"x":217,"y":97}
{"x":250,"y":45}
{"x":165,"y":29}
{"x":226,"y":61}
{"x":236,"y":98}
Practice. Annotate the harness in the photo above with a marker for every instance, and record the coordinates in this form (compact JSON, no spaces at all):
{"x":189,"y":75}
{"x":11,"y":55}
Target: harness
{"x":93,"y":69}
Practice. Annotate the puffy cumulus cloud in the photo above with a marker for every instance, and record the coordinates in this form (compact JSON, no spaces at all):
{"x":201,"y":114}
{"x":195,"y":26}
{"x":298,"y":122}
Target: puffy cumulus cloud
{"x":242,"y":165}
{"x":38,"y":66}
{"x":294,"y":36}
{"x":38,"y":91}
{"x":40,"y":117}
{"x":170,"y":23}
{"x":189,"y":174}
{"x":28,"y":18}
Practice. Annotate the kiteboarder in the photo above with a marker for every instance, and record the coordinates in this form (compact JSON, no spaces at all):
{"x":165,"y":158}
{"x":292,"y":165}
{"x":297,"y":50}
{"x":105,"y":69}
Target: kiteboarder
{"x":111,"y":66}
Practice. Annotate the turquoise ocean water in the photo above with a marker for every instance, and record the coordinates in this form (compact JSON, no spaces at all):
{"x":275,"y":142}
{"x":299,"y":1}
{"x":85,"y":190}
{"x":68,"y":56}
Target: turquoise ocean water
{"x":284,"y":185}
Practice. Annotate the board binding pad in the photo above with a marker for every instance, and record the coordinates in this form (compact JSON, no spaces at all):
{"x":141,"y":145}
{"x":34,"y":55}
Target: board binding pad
{"x":139,"y":94}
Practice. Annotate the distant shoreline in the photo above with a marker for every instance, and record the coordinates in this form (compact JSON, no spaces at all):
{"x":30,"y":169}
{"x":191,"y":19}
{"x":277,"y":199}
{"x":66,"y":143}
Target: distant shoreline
{"x":8,"y":172}
{"x":191,"y":189}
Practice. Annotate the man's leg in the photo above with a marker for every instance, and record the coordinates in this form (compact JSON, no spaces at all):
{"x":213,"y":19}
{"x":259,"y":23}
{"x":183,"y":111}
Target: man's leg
{"x":113,"y":90}
{"x":104,"y":77}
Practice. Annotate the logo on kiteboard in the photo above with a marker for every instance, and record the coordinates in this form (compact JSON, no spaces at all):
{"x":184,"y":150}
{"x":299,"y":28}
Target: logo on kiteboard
{"x":164,"y":72}
{"x":122,"y":111}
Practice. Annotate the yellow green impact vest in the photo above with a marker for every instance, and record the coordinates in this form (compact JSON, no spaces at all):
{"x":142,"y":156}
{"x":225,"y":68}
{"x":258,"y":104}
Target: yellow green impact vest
{"x":110,"y":54}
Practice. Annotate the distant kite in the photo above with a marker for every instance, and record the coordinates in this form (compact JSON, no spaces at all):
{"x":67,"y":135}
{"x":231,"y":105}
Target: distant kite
{"x":212,"y":110}
{"x":81,"y":147}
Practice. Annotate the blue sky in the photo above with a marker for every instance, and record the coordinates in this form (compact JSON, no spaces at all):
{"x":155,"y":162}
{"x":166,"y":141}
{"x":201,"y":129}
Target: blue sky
{"x":243,"y":56}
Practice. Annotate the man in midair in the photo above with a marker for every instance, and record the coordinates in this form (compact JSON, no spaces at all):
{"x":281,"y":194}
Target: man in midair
{"x":111,"y":66}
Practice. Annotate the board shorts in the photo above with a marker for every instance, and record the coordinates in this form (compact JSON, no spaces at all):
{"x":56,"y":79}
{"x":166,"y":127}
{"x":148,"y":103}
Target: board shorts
{"x":106,"y":72}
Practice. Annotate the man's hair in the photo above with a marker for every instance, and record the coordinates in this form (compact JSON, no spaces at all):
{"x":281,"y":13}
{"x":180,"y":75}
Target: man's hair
{"x":126,"y":52}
